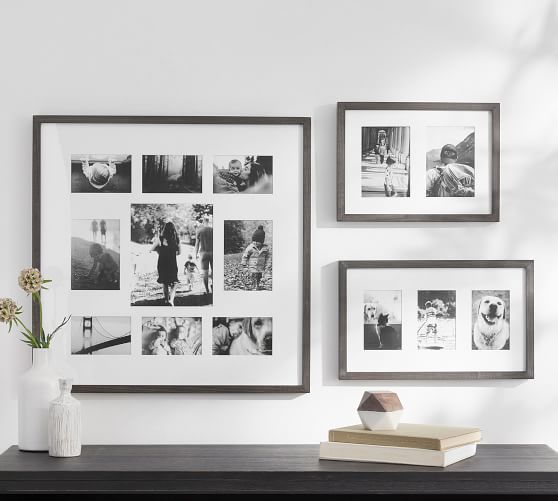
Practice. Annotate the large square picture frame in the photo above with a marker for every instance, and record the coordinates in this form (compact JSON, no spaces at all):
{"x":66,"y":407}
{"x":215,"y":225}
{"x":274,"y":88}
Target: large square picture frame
{"x":427,"y":320}
{"x":54,"y":170}
{"x":418,"y":162}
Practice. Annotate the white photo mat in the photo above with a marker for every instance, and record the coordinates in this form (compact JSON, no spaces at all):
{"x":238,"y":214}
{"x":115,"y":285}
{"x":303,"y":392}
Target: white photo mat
{"x":418,"y":202}
{"x":284,"y":207}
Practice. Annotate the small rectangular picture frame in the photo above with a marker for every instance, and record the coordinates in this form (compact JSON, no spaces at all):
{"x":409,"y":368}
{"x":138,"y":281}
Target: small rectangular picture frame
{"x":513,"y":279}
{"x":409,"y":149}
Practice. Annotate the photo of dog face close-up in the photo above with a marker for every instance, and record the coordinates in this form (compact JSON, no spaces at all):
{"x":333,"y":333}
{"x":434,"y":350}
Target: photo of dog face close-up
{"x":242,"y":336}
{"x":382,"y":320}
{"x":370,"y":310}
{"x":491,"y":320}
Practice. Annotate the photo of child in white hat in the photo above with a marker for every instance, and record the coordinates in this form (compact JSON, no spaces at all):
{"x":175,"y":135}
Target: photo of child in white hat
{"x":101,"y":173}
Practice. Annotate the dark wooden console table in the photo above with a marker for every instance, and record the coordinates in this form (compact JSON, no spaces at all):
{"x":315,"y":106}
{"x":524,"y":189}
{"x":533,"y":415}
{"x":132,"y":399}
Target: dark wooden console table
{"x":517,"y":469}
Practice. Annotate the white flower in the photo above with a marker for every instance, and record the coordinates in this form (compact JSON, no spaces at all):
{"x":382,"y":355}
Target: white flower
{"x":30,"y":280}
{"x":8,"y":310}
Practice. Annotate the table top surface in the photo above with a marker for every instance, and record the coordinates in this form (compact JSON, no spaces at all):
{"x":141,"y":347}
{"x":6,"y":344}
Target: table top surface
{"x":153,"y":459}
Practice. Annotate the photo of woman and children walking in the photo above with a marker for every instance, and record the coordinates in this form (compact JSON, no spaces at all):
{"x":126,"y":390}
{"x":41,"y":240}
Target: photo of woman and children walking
{"x":95,"y":254}
{"x":248,"y":255}
{"x":248,"y":174}
{"x":172,"y":254}
{"x":242,"y":336}
{"x":171,"y":336}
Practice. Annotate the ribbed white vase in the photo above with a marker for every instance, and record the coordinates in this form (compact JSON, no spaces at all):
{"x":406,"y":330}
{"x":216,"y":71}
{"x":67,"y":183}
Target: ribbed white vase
{"x":64,"y":423}
{"x":37,"y":387}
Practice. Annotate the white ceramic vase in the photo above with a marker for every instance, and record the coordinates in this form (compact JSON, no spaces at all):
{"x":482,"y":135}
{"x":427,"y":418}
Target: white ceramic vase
{"x":37,"y":387}
{"x":64,"y":423}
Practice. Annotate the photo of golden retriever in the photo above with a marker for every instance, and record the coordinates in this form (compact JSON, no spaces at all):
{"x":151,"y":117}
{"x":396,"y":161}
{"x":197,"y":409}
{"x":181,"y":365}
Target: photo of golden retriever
{"x":242,"y":336}
{"x":491,"y":329}
{"x":382,"y":320}
{"x":370,"y":310}
{"x":255,"y":338}
{"x":371,"y":321}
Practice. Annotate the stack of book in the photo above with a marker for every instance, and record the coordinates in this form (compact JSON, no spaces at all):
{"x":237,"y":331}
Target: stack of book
{"x":416,"y":444}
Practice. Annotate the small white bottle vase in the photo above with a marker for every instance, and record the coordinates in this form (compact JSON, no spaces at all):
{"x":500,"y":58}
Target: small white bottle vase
{"x":64,"y":423}
{"x":37,"y":387}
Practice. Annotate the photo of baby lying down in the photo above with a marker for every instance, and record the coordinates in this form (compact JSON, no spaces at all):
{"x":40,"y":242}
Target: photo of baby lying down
{"x":171,"y":336}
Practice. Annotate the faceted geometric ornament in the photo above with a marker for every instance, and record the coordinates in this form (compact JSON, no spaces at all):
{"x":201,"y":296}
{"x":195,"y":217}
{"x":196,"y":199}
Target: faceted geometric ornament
{"x":380,"y":410}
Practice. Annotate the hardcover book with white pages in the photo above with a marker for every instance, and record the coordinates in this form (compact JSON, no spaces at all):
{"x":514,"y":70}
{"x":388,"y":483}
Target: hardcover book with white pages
{"x":341,"y":451}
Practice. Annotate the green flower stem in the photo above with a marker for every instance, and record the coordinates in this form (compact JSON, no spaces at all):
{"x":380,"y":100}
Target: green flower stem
{"x":41,"y":330}
{"x":37,"y":297}
{"x":21,"y":324}
{"x":31,"y":340}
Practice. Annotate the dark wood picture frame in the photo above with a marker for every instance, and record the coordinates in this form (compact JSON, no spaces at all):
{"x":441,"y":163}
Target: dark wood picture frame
{"x":304,"y":123}
{"x":526,"y":265}
{"x":493,"y":108}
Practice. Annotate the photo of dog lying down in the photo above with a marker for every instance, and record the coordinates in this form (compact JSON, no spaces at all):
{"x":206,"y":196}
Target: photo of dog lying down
{"x":242,"y":336}
{"x":491,"y":320}
{"x":382,"y":320}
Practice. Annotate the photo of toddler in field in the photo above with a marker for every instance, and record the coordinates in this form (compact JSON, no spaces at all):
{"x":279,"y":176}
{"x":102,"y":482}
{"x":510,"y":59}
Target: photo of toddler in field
{"x":248,"y":255}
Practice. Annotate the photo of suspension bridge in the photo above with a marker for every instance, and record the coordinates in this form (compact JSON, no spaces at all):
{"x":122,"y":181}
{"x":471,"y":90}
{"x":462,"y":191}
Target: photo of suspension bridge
{"x":101,"y":336}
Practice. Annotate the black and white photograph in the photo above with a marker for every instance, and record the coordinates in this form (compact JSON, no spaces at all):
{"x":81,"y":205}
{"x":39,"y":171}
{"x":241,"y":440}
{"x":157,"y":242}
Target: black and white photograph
{"x":101,"y":173}
{"x":249,"y":174}
{"x":385,"y":162}
{"x":172,"y":254}
{"x":436,"y":320}
{"x":171,"y":336}
{"x":172,"y":173}
{"x":248,"y":261}
{"x":95,"y":254}
{"x":450,"y":161}
{"x":491,"y":320}
{"x":103,"y":335}
{"x":242,"y":336}
{"x":382,"y":320}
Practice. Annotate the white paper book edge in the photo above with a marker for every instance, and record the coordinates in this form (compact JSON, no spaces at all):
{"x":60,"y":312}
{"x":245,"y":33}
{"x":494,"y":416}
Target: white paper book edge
{"x":341,"y":451}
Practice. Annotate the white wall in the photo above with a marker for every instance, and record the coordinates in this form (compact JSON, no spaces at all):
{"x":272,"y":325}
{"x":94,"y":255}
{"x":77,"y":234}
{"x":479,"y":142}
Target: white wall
{"x":299,"y":57}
